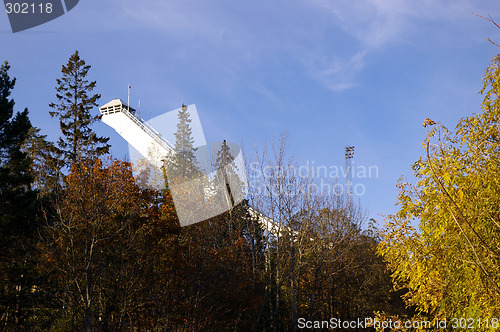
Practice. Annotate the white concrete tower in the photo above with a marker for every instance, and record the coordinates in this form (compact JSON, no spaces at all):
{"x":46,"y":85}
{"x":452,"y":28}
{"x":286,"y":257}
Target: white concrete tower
{"x":137,"y":132}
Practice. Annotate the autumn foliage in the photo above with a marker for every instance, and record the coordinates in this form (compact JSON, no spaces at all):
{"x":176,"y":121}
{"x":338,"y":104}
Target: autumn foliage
{"x":87,"y":246}
{"x":443,"y":244}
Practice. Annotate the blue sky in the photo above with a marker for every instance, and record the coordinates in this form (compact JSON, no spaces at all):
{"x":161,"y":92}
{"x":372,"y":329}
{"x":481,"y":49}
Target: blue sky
{"x":331,"y":73}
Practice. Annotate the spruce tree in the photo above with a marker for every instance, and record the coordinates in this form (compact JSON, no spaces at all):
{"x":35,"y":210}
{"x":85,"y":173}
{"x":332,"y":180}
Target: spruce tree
{"x":182,"y":164}
{"x":45,"y":158}
{"x":17,"y":211}
{"x":15,"y":165}
{"x":227,"y":174}
{"x":73,"y":108}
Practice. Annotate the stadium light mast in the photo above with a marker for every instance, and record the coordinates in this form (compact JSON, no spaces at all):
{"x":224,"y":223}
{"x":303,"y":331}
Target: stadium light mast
{"x":349,"y":154}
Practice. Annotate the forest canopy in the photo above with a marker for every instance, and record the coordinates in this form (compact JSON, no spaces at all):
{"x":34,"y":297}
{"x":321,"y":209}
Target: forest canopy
{"x":85,"y":246}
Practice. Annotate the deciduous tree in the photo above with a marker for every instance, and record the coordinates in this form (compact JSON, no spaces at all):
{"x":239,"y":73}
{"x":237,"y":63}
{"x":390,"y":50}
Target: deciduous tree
{"x":88,"y":240}
{"x":450,"y":262}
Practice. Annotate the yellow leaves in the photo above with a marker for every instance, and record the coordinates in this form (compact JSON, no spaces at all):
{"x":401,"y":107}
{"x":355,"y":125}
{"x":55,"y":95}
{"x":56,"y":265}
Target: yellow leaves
{"x":446,"y":177}
{"x":428,"y":122}
{"x":448,"y":264}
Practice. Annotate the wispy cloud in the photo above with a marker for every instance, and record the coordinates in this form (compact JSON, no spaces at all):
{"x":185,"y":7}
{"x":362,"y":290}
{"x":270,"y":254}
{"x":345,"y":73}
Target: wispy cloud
{"x":337,"y":74}
{"x":330,"y":41}
{"x":182,"y":18}
{"x":374,"y":24}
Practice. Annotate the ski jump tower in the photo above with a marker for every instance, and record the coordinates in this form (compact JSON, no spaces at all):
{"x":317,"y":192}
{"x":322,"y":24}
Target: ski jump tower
{"x":152,"y":146}
{"x":137,"y":132}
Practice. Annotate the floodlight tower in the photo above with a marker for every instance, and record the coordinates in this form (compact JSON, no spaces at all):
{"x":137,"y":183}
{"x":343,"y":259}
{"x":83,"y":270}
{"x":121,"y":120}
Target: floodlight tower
{"x":349,"y":154}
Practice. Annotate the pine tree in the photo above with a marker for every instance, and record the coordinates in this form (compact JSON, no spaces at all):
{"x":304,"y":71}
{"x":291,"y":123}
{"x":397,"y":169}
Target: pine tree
{"x":73,"y":110}
{"x":45,"y":158}
{"x":6,"y":109}
{"x":17,"y":210}
{"x":182,"y":164}
{"x":15,"y":172}
{"x":227,"y":174}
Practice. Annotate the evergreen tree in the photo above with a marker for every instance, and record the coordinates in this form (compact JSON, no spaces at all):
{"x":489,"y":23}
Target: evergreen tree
{"x":227,"y":174}
{"x":6,"y":110}
{"x":73,"y":110}
{"x":182,"y":164}
{"x":17,"y":209}
{"x":45,"y":158}
{"x":15,"y":175}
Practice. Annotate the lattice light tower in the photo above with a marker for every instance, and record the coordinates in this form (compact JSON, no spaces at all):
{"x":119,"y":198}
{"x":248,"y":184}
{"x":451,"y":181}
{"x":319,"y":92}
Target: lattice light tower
{"x":349,"y":154}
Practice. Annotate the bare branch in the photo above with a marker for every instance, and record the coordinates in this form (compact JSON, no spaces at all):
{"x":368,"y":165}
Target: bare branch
{"x":493,"y":42}
{"x":489,"y":19}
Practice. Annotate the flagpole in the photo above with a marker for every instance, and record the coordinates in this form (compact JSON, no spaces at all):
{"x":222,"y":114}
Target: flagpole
{"x":128,"y":97}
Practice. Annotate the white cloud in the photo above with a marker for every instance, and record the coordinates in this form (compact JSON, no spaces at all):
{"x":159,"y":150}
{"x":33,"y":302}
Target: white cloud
{"x":335,"y":73}
{"x":184,"y":18}
{"x":375,"y":24}
{"x":329,"y":40}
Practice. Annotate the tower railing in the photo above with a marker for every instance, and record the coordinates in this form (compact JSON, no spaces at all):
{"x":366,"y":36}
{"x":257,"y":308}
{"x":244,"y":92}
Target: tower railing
{"x":148,"y":129}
